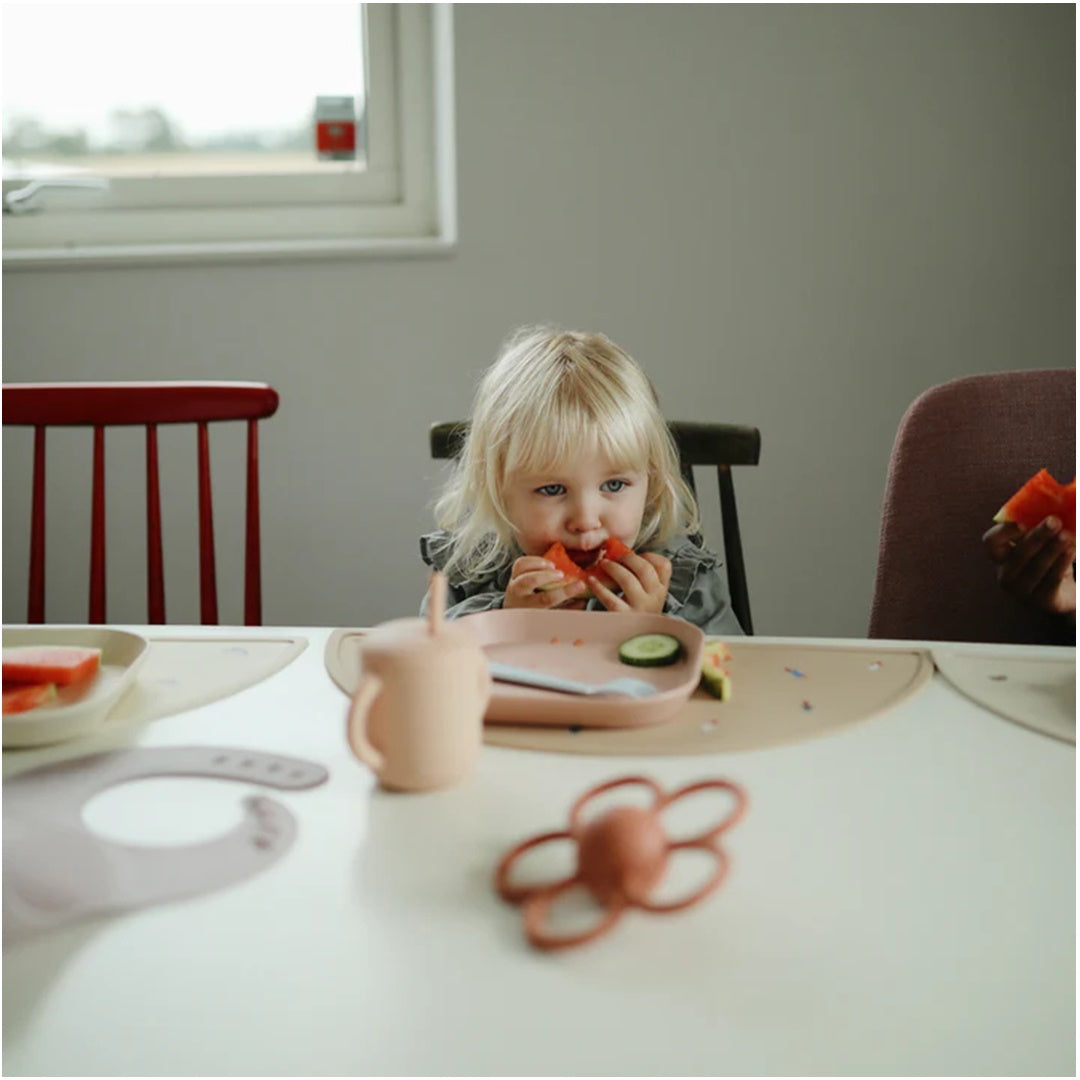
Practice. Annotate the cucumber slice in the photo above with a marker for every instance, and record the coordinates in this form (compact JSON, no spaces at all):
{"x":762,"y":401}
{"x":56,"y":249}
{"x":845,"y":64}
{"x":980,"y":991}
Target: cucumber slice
{"x":650,"y":650}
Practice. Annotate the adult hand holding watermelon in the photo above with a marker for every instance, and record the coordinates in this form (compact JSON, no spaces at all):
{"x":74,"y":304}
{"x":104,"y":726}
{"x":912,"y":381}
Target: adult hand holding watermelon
{"x":1042,"y":497}
{"x":1034,"y":544}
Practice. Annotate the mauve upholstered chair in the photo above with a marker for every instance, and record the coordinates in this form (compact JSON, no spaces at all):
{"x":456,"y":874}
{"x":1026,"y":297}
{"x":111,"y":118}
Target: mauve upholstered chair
{"x":961,"y":450}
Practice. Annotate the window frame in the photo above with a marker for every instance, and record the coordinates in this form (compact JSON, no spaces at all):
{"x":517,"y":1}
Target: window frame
{"x":403,"y":203}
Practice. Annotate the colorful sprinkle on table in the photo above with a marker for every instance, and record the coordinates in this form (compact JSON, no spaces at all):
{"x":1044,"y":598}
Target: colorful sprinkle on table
{"x":807,"y":707}
{"x":874,"y":665}
{"x":998,"y":678}
{"x":710,"y":724}
{"x":796,"y":672}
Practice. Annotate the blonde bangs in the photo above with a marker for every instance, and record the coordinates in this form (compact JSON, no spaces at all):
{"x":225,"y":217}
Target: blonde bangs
{"x":556,"y":436}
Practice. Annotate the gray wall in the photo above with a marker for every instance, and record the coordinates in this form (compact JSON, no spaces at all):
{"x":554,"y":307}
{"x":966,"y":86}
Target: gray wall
{"x":796,"y":217}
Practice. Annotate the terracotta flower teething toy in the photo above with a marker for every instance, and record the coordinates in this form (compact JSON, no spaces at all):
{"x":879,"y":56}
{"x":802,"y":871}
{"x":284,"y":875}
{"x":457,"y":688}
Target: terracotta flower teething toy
{"x":621,"y":858}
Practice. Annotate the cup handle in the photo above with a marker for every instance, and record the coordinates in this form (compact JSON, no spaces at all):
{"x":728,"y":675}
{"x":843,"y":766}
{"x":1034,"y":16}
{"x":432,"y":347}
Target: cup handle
{"x":366,"y":693}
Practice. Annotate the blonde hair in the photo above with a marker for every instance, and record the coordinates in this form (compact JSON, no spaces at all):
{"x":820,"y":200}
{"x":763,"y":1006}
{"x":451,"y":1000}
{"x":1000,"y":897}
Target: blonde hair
{"x":548,"y":397}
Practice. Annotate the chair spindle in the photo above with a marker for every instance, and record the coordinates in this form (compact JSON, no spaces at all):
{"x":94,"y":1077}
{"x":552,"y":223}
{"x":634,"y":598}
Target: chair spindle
{"x":155,"y":561}
{"x":36,"y":598}
{"x":97,"y":530}
{"x":207,"y":571}
{"x":252,"y":544}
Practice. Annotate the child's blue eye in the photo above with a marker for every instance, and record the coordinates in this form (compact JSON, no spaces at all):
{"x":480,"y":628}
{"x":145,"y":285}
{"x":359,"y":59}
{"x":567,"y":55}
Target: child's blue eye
{"x":551,"y":489}
{"x":613,"y":486}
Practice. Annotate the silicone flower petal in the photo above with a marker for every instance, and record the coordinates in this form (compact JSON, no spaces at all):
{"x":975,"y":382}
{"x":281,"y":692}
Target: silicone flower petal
{"x":711,"y":885}
{"x":535,"y":916}
{"x":707,"y":838}
{"x":515,"y":894}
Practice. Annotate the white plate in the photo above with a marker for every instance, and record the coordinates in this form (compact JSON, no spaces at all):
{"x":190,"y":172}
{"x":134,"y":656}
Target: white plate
{"x":80,"y":710}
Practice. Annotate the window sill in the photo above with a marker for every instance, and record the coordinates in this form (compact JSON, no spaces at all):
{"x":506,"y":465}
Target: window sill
{"x":227,"y":252}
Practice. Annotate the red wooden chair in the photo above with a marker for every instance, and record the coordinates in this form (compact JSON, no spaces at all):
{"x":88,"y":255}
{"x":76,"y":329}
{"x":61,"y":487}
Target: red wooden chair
{"x":106,"y":404}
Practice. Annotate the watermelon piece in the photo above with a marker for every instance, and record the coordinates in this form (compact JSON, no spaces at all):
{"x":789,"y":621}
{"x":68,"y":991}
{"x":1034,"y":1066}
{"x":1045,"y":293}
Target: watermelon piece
{"x":557,"y":555}
{"x":1037,"y":499}
{"x":59,"y":664}
{"x":612,"y":548}
{"x":717,"y":651}
{"x":22,"y":697}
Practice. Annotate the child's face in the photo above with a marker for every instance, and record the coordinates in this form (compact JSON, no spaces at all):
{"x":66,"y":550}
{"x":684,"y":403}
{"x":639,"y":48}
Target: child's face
{"x":580,"y":505}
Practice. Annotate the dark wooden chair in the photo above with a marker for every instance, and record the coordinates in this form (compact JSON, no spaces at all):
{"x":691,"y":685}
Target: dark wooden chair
{"x":961,"y":449}
{"x":719,"y":446}
{"x":100,"y":405}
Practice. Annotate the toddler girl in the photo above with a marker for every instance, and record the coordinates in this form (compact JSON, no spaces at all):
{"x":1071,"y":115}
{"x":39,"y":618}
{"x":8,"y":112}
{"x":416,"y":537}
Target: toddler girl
{"x":567,"y":443}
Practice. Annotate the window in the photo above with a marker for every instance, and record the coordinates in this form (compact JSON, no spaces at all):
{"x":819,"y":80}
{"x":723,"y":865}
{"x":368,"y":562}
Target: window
{"x":165,"y":132}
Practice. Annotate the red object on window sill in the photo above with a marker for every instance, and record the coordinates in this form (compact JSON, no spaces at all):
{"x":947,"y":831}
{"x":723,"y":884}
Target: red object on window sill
{"x":335,"y":137}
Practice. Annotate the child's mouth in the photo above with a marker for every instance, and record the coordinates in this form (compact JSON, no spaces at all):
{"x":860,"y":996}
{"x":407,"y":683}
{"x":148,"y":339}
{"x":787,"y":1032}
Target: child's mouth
{"x":583,"y":558}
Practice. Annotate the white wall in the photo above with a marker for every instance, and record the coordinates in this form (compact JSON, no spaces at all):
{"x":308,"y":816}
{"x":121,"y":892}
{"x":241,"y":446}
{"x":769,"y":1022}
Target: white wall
{"x":796,"y":217}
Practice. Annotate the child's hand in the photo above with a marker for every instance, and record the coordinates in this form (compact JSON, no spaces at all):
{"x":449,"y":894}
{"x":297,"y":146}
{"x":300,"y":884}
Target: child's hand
{"x":1036,"y":566}
{"x":643,"y":580}
{"x":532,"y":585}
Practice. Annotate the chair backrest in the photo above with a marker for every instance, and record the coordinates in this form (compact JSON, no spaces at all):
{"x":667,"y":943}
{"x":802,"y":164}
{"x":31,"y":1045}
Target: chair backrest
{"x":717,"y":445}
{"x":100,"y":405}
{"x":962,"y":448}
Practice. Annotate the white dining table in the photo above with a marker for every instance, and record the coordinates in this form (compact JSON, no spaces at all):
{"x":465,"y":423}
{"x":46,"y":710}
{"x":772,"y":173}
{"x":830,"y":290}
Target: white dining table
{"x":901,"y":901}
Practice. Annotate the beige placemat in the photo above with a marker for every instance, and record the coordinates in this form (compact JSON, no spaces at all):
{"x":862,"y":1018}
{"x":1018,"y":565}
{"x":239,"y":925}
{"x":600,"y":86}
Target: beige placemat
{"x":782,"y":694}
{"x":181,"y":673}
{"x":1038,"y":693}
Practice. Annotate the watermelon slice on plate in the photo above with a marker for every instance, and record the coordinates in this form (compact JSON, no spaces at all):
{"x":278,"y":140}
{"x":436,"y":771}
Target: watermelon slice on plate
{"x":1040,"y":497}
{"x":100,"y":665}
{"x":22,"y":697}
{"x":63,"y":665}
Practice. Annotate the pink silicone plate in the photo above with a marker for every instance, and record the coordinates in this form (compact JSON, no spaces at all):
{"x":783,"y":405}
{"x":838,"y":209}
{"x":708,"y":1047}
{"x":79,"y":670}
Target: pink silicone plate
{"x":584,"y":645}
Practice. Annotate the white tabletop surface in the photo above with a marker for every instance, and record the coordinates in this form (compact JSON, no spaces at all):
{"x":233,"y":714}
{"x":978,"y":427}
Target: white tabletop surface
{"x":901,"y":901}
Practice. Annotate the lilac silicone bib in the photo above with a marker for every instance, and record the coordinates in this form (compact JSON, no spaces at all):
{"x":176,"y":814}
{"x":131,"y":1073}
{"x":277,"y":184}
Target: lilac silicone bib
{"x":57,"y":871}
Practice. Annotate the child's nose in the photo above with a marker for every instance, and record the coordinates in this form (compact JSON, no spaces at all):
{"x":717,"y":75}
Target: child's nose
{"x":584,"y":516}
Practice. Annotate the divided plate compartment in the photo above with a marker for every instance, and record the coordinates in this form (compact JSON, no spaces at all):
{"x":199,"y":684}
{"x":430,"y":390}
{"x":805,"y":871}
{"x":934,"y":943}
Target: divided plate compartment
{"x":584,"y":645}
{"x":82,"y":709}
